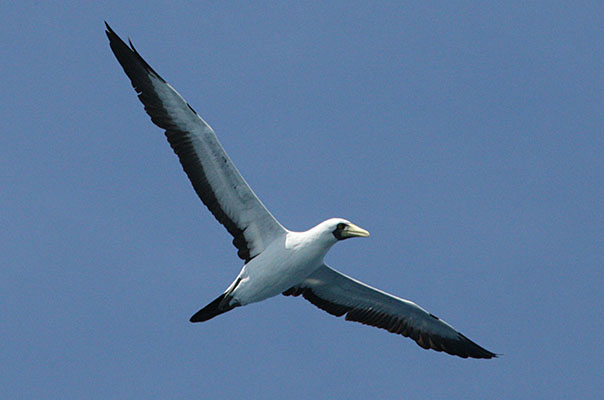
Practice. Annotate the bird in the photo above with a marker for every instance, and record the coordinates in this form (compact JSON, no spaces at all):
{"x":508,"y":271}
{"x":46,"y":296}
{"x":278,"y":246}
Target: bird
{"x":276,"y":260}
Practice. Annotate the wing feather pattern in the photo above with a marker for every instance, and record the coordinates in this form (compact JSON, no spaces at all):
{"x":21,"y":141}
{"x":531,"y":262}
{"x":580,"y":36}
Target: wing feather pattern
{"x":213,"y":175}
{"x":339,"y":294}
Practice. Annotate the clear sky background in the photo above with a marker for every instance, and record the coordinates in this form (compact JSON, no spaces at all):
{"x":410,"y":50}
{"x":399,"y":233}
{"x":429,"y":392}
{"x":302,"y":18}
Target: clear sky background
{"x":468,"y":138}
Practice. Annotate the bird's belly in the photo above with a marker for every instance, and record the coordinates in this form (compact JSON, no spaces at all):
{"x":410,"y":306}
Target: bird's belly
{"x":268,"y":276}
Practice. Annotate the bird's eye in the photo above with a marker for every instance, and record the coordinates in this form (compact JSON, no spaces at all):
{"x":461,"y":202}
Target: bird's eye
{"x":341,"y":226}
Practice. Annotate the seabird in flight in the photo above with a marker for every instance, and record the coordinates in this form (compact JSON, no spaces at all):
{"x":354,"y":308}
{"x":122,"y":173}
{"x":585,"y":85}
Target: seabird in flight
{"x":276,"y":260}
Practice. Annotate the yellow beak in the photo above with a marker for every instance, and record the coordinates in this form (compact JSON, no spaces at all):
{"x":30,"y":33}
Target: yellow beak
{"x":354,"y":231}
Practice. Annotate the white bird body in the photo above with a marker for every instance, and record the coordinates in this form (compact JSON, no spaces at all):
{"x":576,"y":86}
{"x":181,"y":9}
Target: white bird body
{"x":288,"y":260}
{"x":276,"y":260}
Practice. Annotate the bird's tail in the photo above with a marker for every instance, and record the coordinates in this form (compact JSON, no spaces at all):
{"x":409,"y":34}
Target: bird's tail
{"x":217,"y":307}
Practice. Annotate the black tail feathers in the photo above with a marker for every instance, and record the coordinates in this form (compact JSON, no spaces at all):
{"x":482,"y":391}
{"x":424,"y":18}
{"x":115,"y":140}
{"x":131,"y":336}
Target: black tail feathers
{"x":217,"y":307}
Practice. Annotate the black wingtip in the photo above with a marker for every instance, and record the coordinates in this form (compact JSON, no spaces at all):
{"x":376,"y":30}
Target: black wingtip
{"x":474,"y":350}
{"x":495,"y":355}
{"x":109,"y":31}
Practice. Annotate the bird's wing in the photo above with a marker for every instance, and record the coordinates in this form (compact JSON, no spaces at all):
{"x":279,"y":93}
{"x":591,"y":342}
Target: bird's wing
{"x":215,"y":178}
{"x":339,"y":294}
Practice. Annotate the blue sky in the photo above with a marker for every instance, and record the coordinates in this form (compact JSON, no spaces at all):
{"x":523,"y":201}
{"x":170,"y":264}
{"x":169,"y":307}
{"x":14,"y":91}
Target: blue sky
{"x":467,"y":137}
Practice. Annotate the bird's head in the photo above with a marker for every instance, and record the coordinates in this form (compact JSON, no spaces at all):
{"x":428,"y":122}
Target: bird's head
{"x":342,"y":229}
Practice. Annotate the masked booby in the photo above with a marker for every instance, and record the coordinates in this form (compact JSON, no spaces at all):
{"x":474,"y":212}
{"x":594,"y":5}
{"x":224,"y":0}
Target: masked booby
{"x":276,"y":260}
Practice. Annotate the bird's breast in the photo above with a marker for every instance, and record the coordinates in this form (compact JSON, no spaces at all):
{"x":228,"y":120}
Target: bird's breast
{"x":279,"y":267}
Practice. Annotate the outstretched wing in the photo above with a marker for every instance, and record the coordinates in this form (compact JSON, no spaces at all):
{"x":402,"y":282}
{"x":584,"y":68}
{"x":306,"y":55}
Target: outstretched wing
{"x":215,"y":178}
{"x":339,"y":294}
